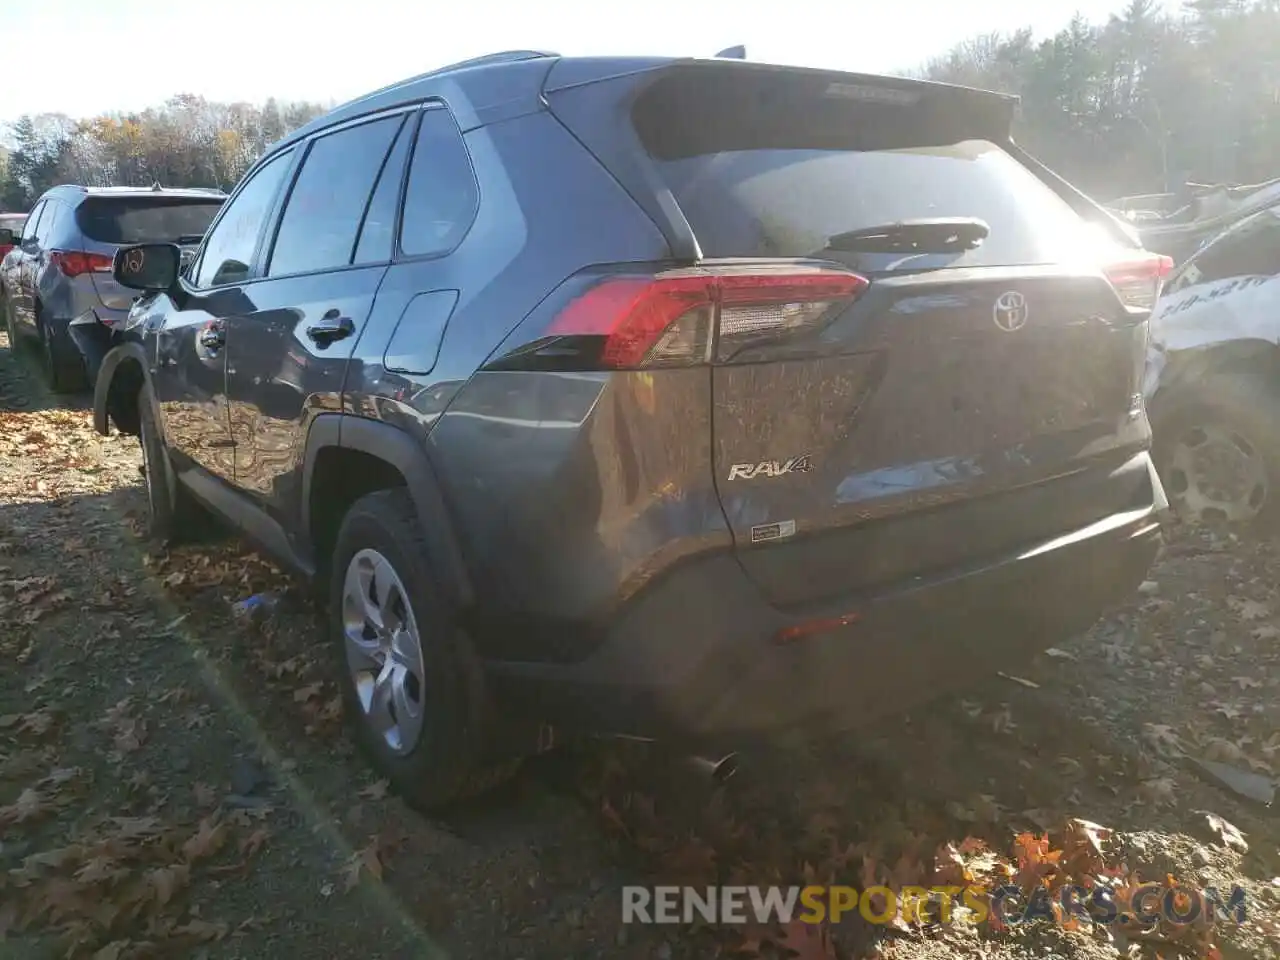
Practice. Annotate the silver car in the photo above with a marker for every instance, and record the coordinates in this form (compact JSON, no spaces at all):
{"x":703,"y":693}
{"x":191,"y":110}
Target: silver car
{"x":56,"y":283}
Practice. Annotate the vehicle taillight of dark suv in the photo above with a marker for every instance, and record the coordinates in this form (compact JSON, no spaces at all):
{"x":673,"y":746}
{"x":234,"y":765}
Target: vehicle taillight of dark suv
{"x":695,"y":400}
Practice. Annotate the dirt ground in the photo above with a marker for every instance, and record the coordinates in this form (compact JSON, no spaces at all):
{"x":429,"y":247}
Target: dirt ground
{"x":175,"y":781}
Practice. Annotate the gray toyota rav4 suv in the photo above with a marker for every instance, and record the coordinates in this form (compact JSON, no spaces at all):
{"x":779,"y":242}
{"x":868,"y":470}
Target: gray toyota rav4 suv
{"x":688,"y":400}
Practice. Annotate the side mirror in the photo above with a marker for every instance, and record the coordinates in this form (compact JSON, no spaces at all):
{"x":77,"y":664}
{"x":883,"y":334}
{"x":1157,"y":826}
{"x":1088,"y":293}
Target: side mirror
{"x":7,"y":238}
{"x":149,"y":267}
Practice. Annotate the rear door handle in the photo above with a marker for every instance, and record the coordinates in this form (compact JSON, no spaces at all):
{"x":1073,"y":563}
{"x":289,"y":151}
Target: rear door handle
{"x":332,"y":326}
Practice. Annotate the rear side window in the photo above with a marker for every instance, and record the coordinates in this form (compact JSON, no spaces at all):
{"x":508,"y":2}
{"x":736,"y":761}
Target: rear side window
{"x":328,"y":200}
{"x":33,"y":222}
{"x":764,"y":173}
{"x":442,"y":196}
{"x":145,"y":219}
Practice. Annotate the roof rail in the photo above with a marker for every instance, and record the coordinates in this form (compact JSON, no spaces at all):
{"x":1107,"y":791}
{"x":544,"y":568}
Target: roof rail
{"x":506,"y":56}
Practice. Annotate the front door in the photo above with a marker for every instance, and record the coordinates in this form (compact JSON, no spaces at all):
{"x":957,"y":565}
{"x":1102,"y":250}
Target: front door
{"x":287,"y":359}
{"x":190,"y":333}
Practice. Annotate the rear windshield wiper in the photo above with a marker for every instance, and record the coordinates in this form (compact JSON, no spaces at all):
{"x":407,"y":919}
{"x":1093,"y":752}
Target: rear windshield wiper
{"x":938,"y":235}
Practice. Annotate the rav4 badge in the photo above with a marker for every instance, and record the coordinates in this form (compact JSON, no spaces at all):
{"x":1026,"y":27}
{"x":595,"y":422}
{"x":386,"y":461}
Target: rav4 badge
{"x":769,"y":468}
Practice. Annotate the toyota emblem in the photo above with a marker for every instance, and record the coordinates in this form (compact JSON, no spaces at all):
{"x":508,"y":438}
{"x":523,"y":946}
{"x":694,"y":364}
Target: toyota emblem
{"x":1011,"y":311}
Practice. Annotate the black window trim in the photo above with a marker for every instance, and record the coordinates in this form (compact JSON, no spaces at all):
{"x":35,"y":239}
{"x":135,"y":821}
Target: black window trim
{"x":187,"y":278}
{"x":33,"y":220}
{"x":399,"y":255}
{"x":377,"y":182}
{"x":262,"y":257}
{"x":47,"y":222}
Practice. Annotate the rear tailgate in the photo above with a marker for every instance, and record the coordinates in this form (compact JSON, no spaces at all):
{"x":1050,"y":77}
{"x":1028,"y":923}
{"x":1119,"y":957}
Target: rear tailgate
{"x":108,"y":222}
{"x":953,"y":409}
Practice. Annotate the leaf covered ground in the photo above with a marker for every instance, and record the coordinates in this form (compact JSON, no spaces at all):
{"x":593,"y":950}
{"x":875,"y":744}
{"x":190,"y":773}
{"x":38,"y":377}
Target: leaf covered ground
{"x":175,"y":781}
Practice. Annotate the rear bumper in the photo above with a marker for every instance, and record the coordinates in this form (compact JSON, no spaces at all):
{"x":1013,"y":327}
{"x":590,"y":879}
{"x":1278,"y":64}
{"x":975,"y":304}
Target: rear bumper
{"x":696,"y":658}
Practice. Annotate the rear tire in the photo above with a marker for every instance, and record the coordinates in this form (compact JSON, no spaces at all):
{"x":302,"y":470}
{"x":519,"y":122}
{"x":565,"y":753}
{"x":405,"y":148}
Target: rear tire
{"x":412,"y":688}
{"x":1217,"y":449}
{"x":173,"y":515}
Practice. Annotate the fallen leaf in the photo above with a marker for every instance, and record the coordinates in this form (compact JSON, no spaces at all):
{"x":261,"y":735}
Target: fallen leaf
{"x":29,"y":806}
{"x":254,"y":842}
{"x":376,"y":790}
{"x":206,"y":841}
{"x":100,"y":869}
{"x":1159,"y":791}
{"x":1226,"y":832}
{"x":113,"y":950}
{"x":1026,"y":683}
{"x":311,"y":691}
{"x":366,"y":860}
{"x":201,"y":930}
{"x":166,"y":881}
{"x":135,"y":828}
{"x":1162,"y":737}
{"x":1222,"y":750}
{"x":807,"y":941}
{"x":205,"y":795}
{"x":1247,"y":609}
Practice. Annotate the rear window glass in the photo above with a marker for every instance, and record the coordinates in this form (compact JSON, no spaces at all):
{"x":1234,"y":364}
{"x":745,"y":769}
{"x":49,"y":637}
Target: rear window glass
{"x":776,"y":164}
{"x":788,"y":203}
{"x":143,"y":220}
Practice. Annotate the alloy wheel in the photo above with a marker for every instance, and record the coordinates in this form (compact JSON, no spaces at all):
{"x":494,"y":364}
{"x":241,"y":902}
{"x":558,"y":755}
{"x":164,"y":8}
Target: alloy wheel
{"x":383,"y":650}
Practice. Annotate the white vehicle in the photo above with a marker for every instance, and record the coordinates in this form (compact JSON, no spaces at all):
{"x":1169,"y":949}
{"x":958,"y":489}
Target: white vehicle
{"x":1213,"y":377}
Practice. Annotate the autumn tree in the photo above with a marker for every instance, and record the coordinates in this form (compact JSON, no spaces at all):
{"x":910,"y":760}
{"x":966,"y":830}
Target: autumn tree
{"x":1145,"y":101}
{"x":188,"y":141}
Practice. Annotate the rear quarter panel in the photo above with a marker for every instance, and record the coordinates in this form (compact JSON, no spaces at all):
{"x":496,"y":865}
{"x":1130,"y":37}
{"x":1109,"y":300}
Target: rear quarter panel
{"x":569,"y":491}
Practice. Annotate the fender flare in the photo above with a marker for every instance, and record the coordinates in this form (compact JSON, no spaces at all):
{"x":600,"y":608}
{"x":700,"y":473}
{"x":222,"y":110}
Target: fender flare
{"x":1185,"y":368}
{"x":395,"y":447}
{"x":106,"y":373}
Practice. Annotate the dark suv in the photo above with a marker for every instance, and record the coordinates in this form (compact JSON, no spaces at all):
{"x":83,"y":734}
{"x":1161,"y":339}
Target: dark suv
{"x":664,"y":398}
{"x":57,"y":286}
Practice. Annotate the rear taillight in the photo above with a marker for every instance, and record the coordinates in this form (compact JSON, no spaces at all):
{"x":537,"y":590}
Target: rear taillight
{"x":72,"y":263}
{"x":1138,"y":279}
{"x":681,"y":317}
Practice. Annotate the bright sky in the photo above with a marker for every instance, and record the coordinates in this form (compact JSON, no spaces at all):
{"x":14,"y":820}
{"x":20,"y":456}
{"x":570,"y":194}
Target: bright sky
{"x":83,"y":57}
